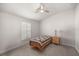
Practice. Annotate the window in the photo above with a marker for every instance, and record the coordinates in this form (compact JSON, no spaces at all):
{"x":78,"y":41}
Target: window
{"x":25,"y":30}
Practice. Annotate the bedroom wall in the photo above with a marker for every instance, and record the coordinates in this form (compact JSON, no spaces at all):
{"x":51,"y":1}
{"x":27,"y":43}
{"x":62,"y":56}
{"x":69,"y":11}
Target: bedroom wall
{"x":77,"y":28}
{"x":64,"y":24}
{"x":10,"y":31}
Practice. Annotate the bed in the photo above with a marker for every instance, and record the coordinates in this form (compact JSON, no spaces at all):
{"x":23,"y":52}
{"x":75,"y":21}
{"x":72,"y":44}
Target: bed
{"x":40,"y":42}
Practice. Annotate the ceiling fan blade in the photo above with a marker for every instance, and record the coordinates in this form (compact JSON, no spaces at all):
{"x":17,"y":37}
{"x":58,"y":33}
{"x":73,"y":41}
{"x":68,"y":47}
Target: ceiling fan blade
{"x":47,"y":11}
{"x":36,"y":10}
{"x":41,"y":9}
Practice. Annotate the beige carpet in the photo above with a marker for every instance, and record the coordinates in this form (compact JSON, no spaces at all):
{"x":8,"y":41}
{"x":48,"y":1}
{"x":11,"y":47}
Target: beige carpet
{"x":50,"y":50}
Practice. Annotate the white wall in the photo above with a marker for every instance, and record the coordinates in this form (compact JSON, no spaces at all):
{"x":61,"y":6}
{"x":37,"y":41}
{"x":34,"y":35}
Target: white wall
{"x":77,"y":28}
{"x":10,"y":31}
{"x":64,"y":23}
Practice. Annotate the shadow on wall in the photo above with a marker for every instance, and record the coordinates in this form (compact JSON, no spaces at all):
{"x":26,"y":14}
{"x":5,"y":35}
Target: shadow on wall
{"x":68,"y":36}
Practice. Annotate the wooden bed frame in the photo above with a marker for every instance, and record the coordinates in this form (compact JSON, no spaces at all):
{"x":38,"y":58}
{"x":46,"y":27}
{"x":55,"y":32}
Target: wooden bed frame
{"x":34,"y":44}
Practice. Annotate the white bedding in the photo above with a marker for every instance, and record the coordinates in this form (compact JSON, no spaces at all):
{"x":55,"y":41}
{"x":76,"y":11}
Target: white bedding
{"x":40,"y":39}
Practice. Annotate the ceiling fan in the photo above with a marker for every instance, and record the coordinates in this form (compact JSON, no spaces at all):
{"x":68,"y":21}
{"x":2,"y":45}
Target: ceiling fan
{"x":42,"y":8}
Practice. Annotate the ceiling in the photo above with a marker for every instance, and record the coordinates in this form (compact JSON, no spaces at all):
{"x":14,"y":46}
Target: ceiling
{"x":28,"y":9}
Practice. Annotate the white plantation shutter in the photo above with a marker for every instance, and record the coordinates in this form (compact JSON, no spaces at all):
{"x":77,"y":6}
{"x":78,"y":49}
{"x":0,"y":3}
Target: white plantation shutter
{"x":25,"y":30}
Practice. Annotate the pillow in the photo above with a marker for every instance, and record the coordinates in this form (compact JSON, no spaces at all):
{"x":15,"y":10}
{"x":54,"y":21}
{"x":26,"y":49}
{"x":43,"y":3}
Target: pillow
{"x":43,"y":38}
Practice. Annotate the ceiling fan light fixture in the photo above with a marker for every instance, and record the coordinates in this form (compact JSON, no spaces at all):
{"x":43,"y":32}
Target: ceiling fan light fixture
{"x":42,"y":8}
{"x":41,"y":11}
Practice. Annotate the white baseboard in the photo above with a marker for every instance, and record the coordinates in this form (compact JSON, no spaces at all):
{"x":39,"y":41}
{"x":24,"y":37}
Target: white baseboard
{"x":68,"y":44}
{"x":77,"y":49}
{"x":4,"y":51}
{"x":16,"y":46}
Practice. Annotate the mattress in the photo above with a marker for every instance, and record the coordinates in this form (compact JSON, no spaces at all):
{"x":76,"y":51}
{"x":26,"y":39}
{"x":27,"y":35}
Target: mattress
{"x":41,"y":39}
